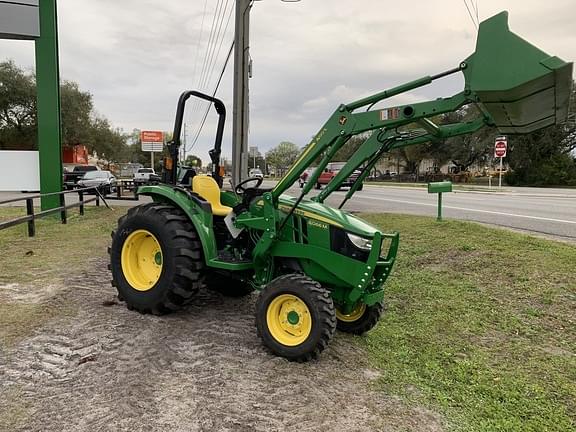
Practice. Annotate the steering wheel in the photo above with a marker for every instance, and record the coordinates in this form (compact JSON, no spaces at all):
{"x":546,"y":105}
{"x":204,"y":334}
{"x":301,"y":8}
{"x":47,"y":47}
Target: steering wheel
{"x":240,"y":189}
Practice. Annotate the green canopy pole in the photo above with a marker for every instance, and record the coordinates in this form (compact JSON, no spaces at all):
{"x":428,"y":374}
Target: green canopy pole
{"x":48,"y":99}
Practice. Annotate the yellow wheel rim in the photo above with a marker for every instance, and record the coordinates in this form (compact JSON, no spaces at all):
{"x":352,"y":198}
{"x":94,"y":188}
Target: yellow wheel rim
{"x":141,"y":260}
{"x":289,"y":320}
{"x":355,"y":315}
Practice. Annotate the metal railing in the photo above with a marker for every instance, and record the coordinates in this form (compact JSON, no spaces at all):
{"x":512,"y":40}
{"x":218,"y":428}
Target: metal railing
{"x":31,"y":215}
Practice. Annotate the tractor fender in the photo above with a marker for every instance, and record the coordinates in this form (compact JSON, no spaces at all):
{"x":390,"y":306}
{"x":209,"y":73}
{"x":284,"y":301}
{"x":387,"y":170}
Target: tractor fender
{"x":198,"y":211}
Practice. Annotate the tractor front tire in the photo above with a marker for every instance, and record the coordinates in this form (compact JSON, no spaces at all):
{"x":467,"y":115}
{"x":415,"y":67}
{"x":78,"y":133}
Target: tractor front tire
{"x":156,"y":259}
{"x":295,"y":317}
{"x":362,"y":319}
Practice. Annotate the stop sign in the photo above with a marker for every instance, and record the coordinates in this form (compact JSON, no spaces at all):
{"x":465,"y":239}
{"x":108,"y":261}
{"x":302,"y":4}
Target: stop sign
{"x":500,"y":147}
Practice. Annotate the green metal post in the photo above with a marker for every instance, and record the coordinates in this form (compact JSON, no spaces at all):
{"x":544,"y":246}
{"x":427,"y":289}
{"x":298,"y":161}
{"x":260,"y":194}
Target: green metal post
{"x":48,"y":97}
{"x":439,"y":219}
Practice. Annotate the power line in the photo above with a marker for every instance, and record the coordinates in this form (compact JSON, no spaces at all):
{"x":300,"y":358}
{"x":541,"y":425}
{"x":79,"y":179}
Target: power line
{"x":213,"y":95}
{"x":212,"y":59}
{"x":199,"y":44}
{"x":212,"y":52}
{"x":470,"y":13}
{"x":199,"y":40}
{"x":211,"y":42}
{"x":213,"y":68}
{"x":205,"y":59}
{"x":477,"y":13}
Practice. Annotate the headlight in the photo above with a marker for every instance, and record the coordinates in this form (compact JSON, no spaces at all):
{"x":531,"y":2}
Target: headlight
{"x":360,"y":242}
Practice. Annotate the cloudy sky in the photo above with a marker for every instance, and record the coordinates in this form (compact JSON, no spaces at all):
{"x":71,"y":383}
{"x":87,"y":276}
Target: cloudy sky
{"x":136,"y":56}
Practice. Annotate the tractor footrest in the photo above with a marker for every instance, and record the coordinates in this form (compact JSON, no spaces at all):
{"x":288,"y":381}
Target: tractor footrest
{"x":228,"y":257}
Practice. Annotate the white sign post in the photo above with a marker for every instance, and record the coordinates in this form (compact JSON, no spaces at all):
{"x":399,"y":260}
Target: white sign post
{"x":500,"y":149}
{"x":153,"y":142}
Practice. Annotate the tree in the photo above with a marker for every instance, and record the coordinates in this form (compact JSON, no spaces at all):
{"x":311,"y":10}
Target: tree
{"x":347,"y":150}
{"x":544,"y":157}
{"x":17,"y":108}
{"x":257,"y":162}
{"x":465,"y":150}
{"x":77,"y":121}
{"x":410,"y":157}
{"x":282,"y":156}
{"x":80,"y":124}
{"x":133,"y":152}
{"x":193,"y":161}
{"x":107,"y":142}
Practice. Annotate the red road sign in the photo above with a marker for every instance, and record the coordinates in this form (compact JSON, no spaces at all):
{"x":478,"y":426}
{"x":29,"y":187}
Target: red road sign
{"x":152,"y":141}
{"x":152,"y":136}
{"x":500,"y":147}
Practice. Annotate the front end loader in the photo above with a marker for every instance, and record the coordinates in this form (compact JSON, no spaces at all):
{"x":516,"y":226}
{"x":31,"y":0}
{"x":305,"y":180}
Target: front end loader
{"x":316,"y":268}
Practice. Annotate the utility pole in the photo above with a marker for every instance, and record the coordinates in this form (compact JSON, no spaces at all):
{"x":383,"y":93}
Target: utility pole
{"x":241,"y":75}
{"x":240,"y":111}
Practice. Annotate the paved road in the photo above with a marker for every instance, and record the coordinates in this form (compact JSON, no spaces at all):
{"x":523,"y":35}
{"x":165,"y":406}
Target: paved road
{"x":551,"y":212}
{"x":550,"y":215}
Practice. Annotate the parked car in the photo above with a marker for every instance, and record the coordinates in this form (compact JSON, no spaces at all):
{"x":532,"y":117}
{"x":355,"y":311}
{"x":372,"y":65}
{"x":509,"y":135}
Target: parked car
{"x":331,"y":171}
{"x":104,"y":180}
{"x":72,"y":176}
{"x":144,"y":175}
{"x":304,"y":177}
{"x":255,"y":173}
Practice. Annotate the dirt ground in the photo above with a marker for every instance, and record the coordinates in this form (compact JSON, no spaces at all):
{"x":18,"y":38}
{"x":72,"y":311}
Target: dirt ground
{"x":103,"y":367}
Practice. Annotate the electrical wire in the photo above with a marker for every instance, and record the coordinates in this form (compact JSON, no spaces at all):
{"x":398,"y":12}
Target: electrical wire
{"x":214,"y":55}
{"x":213,"y":95}
{"x":470,"y":13}
{"x":213,"y":67}
{"x":477,"y":13}
{"x":212,"y":52}
{"x":199,"y":41}
{"x":215,"y":16}
{"x":217,"y":39}
{"x":210,"y":42}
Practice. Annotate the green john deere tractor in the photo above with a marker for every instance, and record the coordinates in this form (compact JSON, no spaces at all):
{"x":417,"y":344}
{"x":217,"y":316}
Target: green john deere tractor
{"x":316,"y":268}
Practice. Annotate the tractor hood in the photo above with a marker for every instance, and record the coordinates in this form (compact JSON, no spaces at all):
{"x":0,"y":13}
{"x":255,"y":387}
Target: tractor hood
{"x":328,"y":215}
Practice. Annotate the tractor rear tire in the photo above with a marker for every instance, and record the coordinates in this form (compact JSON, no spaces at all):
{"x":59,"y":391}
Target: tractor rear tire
{"x":361,"y":320}
{"x":156,"y":259}
{"x":227,"y":286}
{"x":295,"y":317}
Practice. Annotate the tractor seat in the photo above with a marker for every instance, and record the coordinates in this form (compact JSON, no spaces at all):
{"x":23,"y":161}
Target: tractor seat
{"x":207,"y":188}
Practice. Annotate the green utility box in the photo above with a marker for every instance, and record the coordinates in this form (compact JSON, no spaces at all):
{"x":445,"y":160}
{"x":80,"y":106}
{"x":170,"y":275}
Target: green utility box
{"x":439,"y":187}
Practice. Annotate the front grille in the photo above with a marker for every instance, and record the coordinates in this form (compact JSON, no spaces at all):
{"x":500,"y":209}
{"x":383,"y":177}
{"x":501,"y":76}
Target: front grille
{"x":300,"y":229}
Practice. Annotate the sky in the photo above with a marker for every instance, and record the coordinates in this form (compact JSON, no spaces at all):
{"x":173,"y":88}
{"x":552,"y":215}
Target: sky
{"x":136,"y":56}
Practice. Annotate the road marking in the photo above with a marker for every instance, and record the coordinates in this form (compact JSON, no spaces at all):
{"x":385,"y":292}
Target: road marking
{"x":473,"y":210}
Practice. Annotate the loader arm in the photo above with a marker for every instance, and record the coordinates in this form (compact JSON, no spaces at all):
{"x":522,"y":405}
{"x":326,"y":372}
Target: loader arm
{"x":382,"y":142}
{"x":517,"y":87}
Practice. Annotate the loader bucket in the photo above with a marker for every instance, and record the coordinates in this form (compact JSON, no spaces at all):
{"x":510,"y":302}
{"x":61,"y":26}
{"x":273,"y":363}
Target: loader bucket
{"x":521,"y":87}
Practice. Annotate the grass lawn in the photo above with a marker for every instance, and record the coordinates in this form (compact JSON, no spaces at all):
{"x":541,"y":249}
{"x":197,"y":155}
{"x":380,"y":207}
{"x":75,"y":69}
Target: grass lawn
{"x":56,"y":251}
{"x":55,"y":247}
{"x":481,"y":324}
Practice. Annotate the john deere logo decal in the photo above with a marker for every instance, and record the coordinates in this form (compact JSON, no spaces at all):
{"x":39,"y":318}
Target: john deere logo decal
{"x":343,"y":120}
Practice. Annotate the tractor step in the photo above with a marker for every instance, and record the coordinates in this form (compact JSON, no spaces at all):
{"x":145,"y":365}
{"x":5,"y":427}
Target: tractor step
{"x":229,"y":257}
